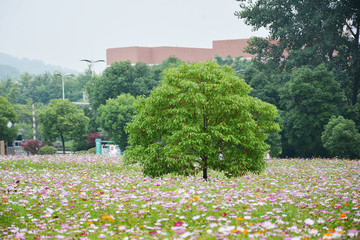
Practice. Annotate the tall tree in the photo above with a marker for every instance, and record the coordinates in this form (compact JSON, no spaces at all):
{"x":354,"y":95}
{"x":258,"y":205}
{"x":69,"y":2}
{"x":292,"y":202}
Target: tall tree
{"x":199,"y":111}
{"x":7,"y":114}
{"x":62,"y":119}
{"x":114,"y":116}
{"x":311,"y":96}
{"x":120,"y":77}
{"x":308,"y":32}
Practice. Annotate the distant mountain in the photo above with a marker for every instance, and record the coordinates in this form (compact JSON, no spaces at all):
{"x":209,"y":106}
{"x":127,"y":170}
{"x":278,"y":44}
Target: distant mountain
{"x":13,"y":66}
{"x":7,"y":71}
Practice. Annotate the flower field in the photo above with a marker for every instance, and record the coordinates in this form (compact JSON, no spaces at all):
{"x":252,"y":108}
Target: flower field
{"x":91,"y":197}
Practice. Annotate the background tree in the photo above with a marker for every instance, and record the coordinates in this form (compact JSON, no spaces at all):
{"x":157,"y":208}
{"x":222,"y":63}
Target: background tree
{"x":7,"y":114}
{"x":199,"y":111}
{"x":311,"y":32}
{"x":62,"y":119}
{"x":114,"y":116}
{"x":311,"y":98}
{"x":120,"y":77}
{"x":341,"y":138}
{"x":171,"y":62}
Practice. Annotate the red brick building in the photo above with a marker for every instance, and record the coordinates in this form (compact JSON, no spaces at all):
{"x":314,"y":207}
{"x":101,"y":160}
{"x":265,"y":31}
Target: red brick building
{"x":155,"y":55}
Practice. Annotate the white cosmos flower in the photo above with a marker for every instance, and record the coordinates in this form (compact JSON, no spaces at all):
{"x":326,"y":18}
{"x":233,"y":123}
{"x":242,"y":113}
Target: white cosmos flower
{"x":309,"y":221}
{"x":196,"y":217}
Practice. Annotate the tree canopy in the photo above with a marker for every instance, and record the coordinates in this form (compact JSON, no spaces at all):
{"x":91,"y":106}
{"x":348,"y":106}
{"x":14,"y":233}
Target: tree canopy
{"x":308,"y":32}
{"x":341,"y":137}
{"x":7,"y":114}
{"x":311,"y":96}
{"x":200,"y":114}
{"x":120,"y":77}
{"x":62,"y":119}
{"x":114,"y":116}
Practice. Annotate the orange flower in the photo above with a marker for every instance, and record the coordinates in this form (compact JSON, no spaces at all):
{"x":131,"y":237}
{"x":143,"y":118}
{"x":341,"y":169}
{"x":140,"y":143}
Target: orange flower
{"x":90,"y":223}
{"x":239,"y":219}
{"x":343,"y":215}
{"x":257,"y":195}
{"x":108,"y":218}
{"x":4,"y":200}
{"x":196,"y":198}
{"x":234,"y":231}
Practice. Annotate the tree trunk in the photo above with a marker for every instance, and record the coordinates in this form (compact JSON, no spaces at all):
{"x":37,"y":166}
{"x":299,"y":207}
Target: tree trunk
{"x":63,"y":143}
{"x":204,"y":158}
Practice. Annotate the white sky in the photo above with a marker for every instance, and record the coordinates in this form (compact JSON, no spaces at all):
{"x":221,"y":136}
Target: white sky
{"x":61,"y":32}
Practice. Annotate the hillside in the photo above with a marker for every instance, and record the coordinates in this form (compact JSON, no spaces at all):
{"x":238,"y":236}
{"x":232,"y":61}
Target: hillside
{"x":12,"y":66}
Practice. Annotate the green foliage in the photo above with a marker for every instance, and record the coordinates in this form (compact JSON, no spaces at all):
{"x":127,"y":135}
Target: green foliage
{"x":114,"y":116}
{"x":79,"y":144}
{"x":42,"y":88}
{"x":7,"y":71}
{"x":308,"y":32}
{"x":120,"y":77}
{"x":92,"y":150}
{"x":7,"y":114}
{"x":47,"y":150}
{"x":311,"y":98}
{"x":341,"y":138}
{"x":199,"y":111}
{"x":237,"y":63}
{"x":62,"y":119}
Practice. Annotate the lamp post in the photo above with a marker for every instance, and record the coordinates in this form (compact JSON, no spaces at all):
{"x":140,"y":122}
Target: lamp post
{"x":63,"y":76}
{"x":91,"y":63}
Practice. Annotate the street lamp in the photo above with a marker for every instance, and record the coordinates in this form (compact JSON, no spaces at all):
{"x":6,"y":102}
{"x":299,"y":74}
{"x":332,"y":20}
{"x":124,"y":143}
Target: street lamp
{"x":63,"y":76}
{"x":91,"y":63}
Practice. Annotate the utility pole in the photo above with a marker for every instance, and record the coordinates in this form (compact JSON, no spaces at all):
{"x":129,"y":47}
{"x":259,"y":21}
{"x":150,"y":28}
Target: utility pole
{"x":34,"y":122}
{"x":63,"y":76}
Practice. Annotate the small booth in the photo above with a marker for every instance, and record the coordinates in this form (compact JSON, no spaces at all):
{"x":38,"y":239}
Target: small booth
{"x":107,"y":148}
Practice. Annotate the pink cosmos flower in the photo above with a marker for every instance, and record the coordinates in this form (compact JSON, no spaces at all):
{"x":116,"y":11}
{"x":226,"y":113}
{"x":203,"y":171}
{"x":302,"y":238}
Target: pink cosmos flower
{"x":178,"y":224}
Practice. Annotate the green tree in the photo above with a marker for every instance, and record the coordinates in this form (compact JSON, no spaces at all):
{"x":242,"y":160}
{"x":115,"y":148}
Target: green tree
{"x":341,"y":137}
{"x":171,"y":62}
{"x":120,"y":77}
{"x":311,"y":98}
{"x":10,"y":90}
{"x":114,"y":116}
{"x":308,"y":32}
{"x":62,"y":119}
{"x":198,"y":112}
{"x":7,"y":114}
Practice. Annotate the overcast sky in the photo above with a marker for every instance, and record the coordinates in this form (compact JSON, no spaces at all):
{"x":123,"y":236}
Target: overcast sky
{"x":61,"y":32}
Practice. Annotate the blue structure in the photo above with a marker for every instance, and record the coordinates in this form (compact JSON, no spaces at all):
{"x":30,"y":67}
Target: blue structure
{"x":107,"y":148}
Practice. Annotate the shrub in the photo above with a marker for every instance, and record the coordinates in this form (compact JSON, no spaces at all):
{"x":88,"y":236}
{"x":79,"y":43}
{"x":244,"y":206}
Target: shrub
{"x":31,"y":146}
{"x":47,"y":150}
{"x":341,"y":137}
{"x":79,"y":144}
{"x":92,"y":150}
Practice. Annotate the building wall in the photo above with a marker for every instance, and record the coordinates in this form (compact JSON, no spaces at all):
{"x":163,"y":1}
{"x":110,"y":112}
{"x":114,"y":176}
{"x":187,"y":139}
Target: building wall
{"x":235,"y":48}
{"x":155,"y":55}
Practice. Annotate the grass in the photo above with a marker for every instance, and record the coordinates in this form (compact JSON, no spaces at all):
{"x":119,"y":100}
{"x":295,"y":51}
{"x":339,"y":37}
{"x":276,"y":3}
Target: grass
{"x":91,"y":197}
